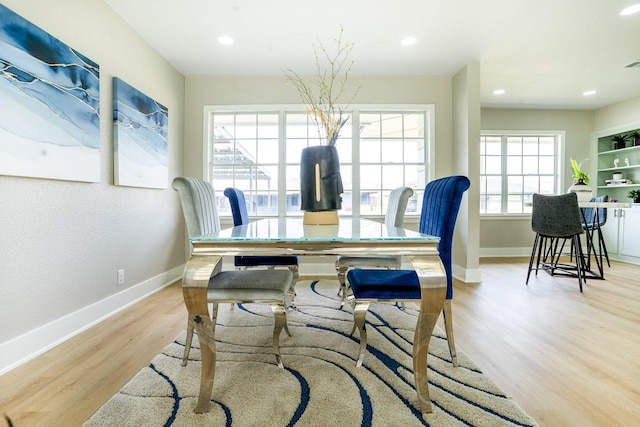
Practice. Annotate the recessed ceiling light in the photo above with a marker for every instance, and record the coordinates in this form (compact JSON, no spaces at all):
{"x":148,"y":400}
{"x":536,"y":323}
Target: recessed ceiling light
{"x":634,"y":8}
{"x":408,"y":41}
{"x":225,"y":40}
{"x":589,"y":93}
{"x":498,"y":91}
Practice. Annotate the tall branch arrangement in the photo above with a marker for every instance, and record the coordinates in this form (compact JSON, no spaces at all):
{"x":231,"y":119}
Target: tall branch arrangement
{"x":321,"y":93}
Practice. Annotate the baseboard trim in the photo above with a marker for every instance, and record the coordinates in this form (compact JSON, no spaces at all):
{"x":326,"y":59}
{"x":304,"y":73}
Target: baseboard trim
{"x":505,"y":252}
{"x":23,"y":348}
{"x":467,"y":275}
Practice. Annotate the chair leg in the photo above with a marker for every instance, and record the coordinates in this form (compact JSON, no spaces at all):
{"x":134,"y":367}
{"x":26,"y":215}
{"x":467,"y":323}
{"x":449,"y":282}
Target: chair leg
{"x":214,"y":317}
{"x":603,"y":247}
{"x":448,"y":326}
{"x":359,"y":316}
{"x":292,"y":288}
{"x":533,"y":255}
{"x":280,"y":322}
{"x":580,"y":262}
{"x":190,"y":330}
{"x":189,"y":339}
{"x":341,"y":270}
{"x":545,"y":251}
{"x":555,"y":253}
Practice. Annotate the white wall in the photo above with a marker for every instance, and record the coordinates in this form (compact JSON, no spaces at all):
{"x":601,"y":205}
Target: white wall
{"x":62,"y":242}
{"x":617,"y":114}
{"x":513,"y":236}
{"x":273,"y":90}
{"x":466,"y":154}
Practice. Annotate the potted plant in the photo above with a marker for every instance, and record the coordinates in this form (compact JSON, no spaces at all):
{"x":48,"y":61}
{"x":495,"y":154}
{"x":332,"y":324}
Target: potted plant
{"x":634,"y":137}
{"x":620,"y":141}
{"x":579,"y":177}
{"x":580,"y":181}
{"x":635,"y":195}
{"x":320,"y":180}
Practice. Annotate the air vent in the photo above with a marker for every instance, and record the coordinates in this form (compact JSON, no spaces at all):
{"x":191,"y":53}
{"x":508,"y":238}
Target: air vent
{"x":634,"y":64}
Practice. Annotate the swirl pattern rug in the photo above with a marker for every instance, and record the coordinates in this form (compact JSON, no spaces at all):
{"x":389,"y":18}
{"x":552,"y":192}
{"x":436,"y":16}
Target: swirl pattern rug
{"x":320,"y":385}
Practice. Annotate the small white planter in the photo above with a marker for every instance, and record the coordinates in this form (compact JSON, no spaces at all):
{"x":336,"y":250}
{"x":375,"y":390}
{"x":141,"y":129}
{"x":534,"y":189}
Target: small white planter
{"x":582,"y":190}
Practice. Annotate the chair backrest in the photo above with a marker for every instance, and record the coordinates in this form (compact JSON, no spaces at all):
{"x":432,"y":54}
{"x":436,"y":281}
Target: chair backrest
{"x":397,"y":206}
{"x":588,"y":213}
{"x":440,"y":206}
{"x":198,"y":205}
{"x":556,"y":215}
{"x":238,"y":206}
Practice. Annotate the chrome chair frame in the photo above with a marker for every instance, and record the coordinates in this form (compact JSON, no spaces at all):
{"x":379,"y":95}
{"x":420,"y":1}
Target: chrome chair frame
{"x":273,"y":287}
{"x":394,"y":217}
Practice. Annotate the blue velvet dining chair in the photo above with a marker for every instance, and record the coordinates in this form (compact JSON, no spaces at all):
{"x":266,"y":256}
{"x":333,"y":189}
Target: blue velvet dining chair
{"x":240,"y":215}
{"x":440,"y":206}
{"x":592,"y":220}
{"x":396,"y":207}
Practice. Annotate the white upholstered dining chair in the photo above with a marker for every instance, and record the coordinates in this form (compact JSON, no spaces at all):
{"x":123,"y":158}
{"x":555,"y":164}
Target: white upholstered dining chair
{"x":271,"y":287}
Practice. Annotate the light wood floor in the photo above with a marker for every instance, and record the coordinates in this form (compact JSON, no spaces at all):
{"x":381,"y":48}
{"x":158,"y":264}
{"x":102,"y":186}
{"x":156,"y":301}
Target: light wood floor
{"x":568,"y":359}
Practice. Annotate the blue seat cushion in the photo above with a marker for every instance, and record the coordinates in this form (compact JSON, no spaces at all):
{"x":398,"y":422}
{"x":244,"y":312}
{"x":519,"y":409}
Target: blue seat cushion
{"x":255,"y":261}
{"x":384,"y":284}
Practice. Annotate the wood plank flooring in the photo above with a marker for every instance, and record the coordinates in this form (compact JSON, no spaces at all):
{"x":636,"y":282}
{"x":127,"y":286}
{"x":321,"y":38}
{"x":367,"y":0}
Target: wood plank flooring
{"x":568,"y":359}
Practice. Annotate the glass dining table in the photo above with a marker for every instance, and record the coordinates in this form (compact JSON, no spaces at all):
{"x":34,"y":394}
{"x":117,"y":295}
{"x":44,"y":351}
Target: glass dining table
{"x":289,"y":236}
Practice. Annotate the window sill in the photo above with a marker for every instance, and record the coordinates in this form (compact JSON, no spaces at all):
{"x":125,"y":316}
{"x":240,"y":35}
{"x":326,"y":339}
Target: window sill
{"x":503,"y":217}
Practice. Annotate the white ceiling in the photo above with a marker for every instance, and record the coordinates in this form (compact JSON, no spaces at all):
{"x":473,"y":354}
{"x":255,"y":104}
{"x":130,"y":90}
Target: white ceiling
{"x":543,"y":53}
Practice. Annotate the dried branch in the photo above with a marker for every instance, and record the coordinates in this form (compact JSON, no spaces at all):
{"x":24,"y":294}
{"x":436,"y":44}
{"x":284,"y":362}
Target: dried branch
{"x":321,"y":94}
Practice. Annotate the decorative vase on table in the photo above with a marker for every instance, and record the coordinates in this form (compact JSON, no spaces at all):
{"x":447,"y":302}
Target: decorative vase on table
{"x":320,"y":184}
{"x":582,"y":190}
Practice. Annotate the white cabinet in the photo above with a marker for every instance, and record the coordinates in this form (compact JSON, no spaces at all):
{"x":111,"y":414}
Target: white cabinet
{"x":611,"y":230}
{"x":621,"y":234}
{"x":629,"y":236}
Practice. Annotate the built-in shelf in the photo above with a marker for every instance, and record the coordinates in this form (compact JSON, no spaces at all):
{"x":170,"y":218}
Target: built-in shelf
{"x":620,"y":150}
{"x":607,"y":156}
{"x":620,"y":168}
{"x":619,"y":186}
{"x":622,"y":228}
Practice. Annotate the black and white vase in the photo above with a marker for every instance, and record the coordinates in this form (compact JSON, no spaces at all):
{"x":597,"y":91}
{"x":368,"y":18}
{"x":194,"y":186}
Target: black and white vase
{"x":320,"y":180}
{"x":582,"y":190}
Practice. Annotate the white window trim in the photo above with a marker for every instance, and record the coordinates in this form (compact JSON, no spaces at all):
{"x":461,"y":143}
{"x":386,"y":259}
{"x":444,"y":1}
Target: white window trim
{"x":559,"y":167}
{"x":428,"y":109}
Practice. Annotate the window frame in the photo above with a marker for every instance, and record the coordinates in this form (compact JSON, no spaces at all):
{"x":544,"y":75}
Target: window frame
{"x":558,"y":174}
{"x":282,"y":109}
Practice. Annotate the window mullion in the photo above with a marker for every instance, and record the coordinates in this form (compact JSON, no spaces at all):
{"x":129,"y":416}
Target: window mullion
{"x":355,"y":163}
{"x":282,"y":162}
{"x":505,"y":176}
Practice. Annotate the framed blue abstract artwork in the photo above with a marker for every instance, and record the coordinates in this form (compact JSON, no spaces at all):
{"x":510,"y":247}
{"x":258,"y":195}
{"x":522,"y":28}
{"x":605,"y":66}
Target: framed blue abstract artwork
{"x":140,"y":138}
{"x":49,"y":105}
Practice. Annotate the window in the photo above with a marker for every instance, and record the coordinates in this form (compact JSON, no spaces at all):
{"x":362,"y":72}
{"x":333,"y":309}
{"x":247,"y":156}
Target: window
{"x":257,"y":150}
{"x":514,"y":166}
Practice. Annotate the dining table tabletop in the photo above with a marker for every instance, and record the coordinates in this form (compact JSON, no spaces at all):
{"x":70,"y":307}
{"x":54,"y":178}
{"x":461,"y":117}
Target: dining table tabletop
{"x":290,"y":236}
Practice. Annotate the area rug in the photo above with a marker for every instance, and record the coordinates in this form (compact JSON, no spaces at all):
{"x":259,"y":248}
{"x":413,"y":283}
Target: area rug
{"x":320,"y":385}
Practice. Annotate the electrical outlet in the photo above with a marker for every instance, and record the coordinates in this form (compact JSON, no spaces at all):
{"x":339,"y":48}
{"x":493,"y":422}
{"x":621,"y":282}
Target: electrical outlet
{"x":120,"y":277}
